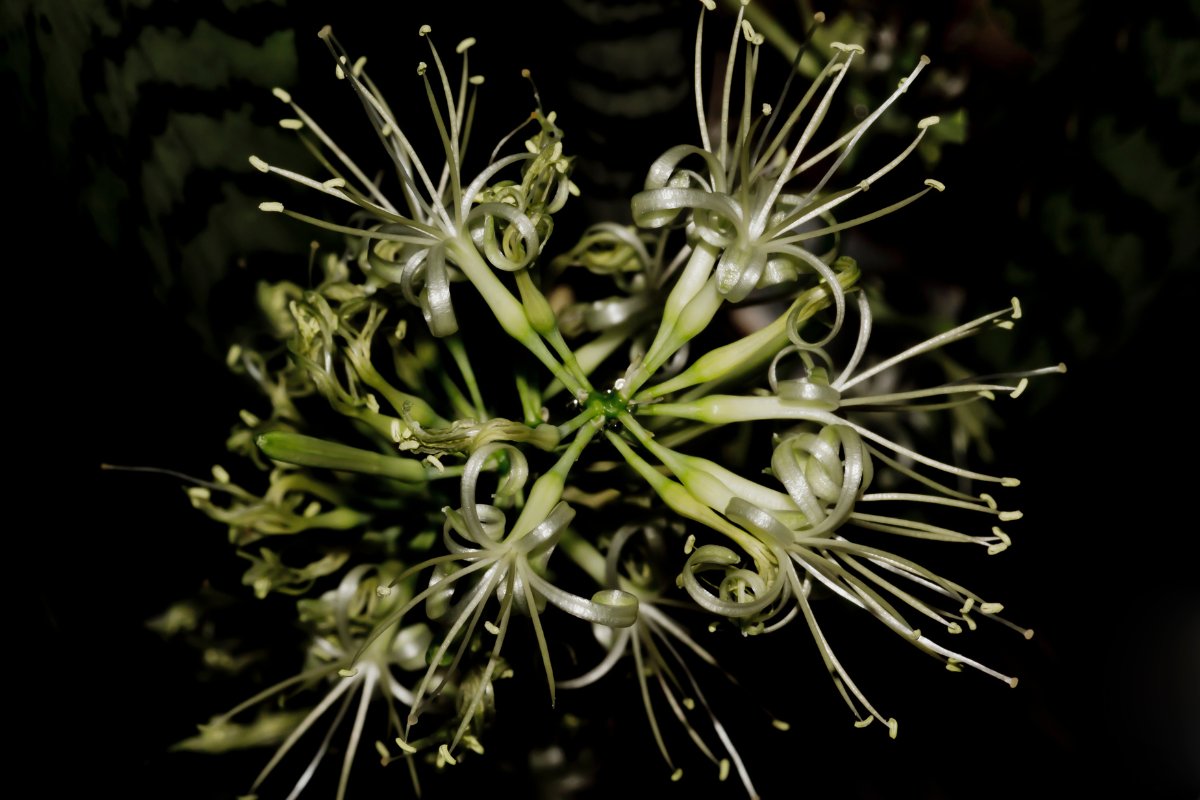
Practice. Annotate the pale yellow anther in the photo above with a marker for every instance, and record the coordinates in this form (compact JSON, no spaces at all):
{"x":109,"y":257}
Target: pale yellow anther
{"x":291,"y":124}
{"x":967,"y":606}
{"x":421,"y":67}
{"x":862,"y":723}
{"x":953,"y":666}
{"x":928,"y":122}
{"x":690,"y":544}
{"x":424,"y":30}
{"x":709,"y":5}
{"x":248,"y":419}
{"x":848,"y":48}
{"x":924,"y":60}
{"x":935,"y":184}
{"x":893,"y":727}
{"x":259,"y":164}
{"x":271,"y":206}
{"x":991,"y":501}
{"x":405,"y":746}
{"x":1010,"y":483}
{"x":954,"y":628}
{"x":433,"y":461}
{"x":386,"y":130}
{"x":819,"y":17}
{"x":220,"y":474}
{"x":491,"y":628}
{"x":475,"y":80}
{"x":677,"y":774}
{"x":723,"y":769}
{"x":311,"y":510}
{"x":990,"y":608}
{"x":383,"y":591}
{"x":282,"y":94}
{"x":339,"y":72}
{"x":465,"y":45}
{"x":689,"y":703}
{"x":1005,"y":324}
{"x":780,"y":725}
{"x":1009,"y":516}
{"x":335,"y":183}
{"x":987,"y":394}
{"x":234,"y":355}
{"x":444,"y":756}
{"x":347,"y":673}
{"x":766,"y":109}
{"x":381,"y":748}
{"x":357,"y":69}
{"x":1012,"y":682}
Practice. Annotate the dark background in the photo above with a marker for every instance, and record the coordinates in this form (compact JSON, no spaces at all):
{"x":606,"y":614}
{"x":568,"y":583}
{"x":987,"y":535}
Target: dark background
{"x":1076,"y":189}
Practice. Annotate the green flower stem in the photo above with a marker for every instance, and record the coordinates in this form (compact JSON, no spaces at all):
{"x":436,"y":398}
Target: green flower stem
{"x":584,"y":554}
{"x":455,"y":345}
{"x":592,"y":355}
{"x":459,"y":404}
{"x":417,"y":408}
{"x":589,"y":413}
{"x":308,"y":451}
{"x":684,"y":503}
{"x":543,"y":320}
{"x":547,"y":490}
{"x":508,"y":310}
{"x":752,"y":351}
{"x":709,"y":482}
{"x":531,"y":401}
{"x":693,"y":279}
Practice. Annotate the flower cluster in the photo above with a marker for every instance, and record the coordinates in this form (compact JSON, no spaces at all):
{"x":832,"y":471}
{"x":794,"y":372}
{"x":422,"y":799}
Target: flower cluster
{"x":451,"y":468}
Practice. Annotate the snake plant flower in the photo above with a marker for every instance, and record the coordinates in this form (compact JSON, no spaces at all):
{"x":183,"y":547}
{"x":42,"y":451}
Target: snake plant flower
{"x":340,"y":619}
{"x":659,"y":645}
{"x":447,"y":223}
{"x":746,"y":219}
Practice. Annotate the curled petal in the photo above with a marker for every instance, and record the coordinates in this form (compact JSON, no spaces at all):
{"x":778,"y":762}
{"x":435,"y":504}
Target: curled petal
{"x":824,"y":473}
{"x":611,"y":607}
{"x":665,"y":167}
{"x":482,"y":221}
{"x":739,"y":270}
{"x":712,"y":557}
{"x":435,"y":299}
{"x":758,"y":521}
{"x":513,"y":481}
{"x":656,"y":208}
